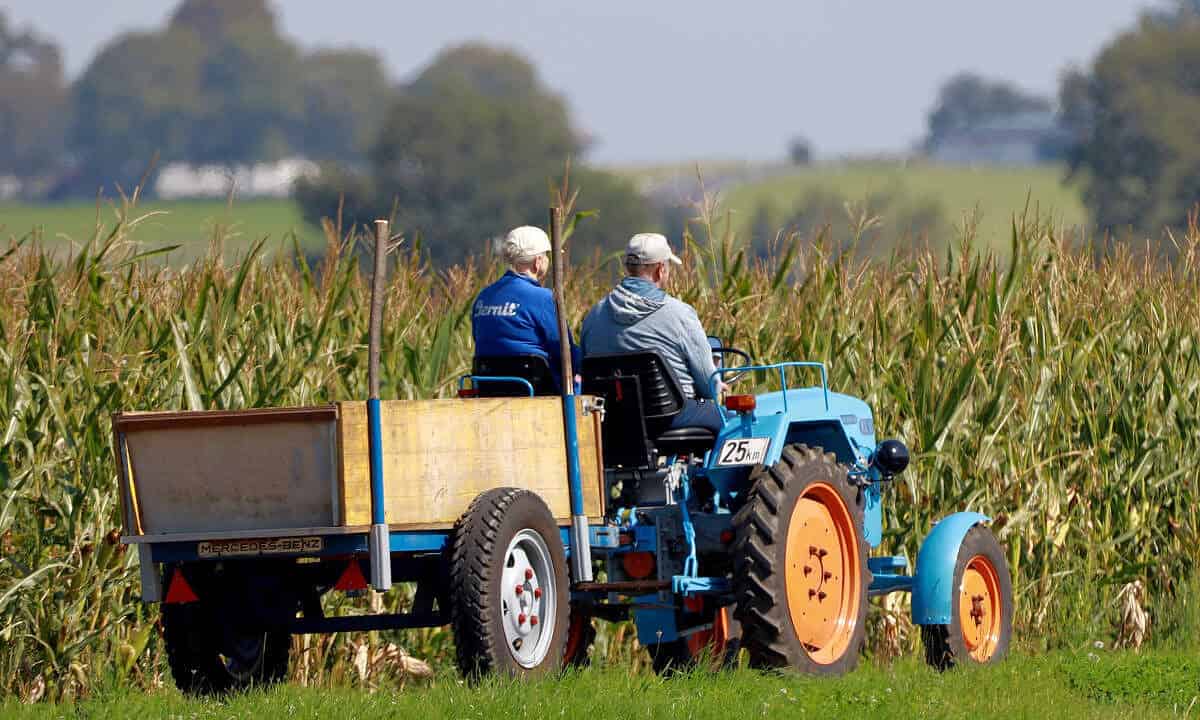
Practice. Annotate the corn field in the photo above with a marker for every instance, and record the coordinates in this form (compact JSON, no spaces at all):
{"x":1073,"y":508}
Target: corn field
{"x":1057,"y":390}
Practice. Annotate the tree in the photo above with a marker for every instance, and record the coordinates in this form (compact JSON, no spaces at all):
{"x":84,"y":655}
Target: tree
{"x":1131,"y":117}
{"x":967,"y":100}
{"x":220,"y":85}
{"x":140,"y":97}
{"x":32,"y":104}
{"x":346,"y":94}
{"x":467,"y":151}
{"x":800,"y":151}
{"x":221,"y":17}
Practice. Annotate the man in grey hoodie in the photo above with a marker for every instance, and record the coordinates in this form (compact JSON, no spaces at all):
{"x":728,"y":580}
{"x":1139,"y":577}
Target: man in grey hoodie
{"x":639,"y":315}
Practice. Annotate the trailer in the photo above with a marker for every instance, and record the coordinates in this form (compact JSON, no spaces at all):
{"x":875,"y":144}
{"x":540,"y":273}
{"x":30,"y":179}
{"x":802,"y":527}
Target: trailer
{"x":523,"y":519}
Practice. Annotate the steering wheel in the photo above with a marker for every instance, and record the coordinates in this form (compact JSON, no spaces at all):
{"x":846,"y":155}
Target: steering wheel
{"x":745,"y":356}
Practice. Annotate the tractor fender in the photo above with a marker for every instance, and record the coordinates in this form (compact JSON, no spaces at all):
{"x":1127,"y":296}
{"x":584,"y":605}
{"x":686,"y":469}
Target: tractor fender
{"x":933,"y":590}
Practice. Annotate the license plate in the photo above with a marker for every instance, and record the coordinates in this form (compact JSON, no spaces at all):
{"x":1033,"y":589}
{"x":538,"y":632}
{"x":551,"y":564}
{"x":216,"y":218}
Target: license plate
{"x":269,"y":546}
{"x":743,"y":451}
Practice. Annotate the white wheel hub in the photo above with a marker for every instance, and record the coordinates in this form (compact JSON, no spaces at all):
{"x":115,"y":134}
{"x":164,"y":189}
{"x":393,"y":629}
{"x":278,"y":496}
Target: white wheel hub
{"x":527,"y":598}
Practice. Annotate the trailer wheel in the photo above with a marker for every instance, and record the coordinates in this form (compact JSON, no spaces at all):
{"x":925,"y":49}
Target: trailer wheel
{"x":508,"y":586}
{"x":800,"y":574}
{"x":980,"y":627}
{"x":207,"y":657}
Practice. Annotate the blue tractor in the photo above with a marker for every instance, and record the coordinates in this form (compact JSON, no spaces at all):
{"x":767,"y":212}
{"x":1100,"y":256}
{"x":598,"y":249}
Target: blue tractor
{"x":758,"y":538}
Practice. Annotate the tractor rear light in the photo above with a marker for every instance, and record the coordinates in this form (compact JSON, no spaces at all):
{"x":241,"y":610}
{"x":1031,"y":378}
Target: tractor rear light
{"x":726,"y":537}
{"x":638,"y":565}
{"x":740,"y":403}
{"x":625,"y":539}
{"x":467,"y":393}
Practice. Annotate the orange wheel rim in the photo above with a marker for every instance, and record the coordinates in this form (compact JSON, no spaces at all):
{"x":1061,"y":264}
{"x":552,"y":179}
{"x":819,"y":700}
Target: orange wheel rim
{"x":980,"y":608}
{"x":823,"y":573}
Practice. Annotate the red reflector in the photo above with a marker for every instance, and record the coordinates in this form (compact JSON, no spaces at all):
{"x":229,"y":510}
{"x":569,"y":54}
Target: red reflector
{"x":468,"y":393}
{"x":726,"y":537}
{"x":638,"y":565}
{"x":693,"y":603}
{"x":180,"y":591}
{"x":352,"y":579}
{"x":740,"y":403}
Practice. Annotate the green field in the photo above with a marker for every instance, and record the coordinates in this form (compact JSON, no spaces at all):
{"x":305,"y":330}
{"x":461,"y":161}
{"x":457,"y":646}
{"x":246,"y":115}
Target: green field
{"x":191,"y":224}
{"x":992,"y":194}
{"x":1064,"y":685}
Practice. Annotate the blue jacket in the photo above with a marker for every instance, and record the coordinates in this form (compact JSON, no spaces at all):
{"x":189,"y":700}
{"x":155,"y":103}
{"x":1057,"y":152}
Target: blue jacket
{"x":516,"y":316}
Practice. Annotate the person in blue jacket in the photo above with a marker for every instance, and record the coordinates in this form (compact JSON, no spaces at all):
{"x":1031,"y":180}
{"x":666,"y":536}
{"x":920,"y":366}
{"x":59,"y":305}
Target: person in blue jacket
{"x":516,"y":315}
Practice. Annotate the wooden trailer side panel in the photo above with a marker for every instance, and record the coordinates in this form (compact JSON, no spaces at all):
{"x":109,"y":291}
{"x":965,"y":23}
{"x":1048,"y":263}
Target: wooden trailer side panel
{"x":232,"y":471}
{"x":438,"y":455}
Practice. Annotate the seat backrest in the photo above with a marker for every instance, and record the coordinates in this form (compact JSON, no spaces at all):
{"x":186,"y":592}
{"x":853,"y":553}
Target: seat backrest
{"x":626,"y":443}
{"x":662,"y":399}
{"x":533,"y":368}
{"x":641,"y":397}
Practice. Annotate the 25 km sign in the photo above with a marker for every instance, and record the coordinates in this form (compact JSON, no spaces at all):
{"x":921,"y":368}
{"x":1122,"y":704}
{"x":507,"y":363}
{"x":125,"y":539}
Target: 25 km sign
{"x":743,"y":451}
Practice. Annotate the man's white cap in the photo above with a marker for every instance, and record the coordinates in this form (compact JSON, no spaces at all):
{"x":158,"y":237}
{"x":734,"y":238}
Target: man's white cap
{"x":525,"y":243}
{"x":649,"y":249}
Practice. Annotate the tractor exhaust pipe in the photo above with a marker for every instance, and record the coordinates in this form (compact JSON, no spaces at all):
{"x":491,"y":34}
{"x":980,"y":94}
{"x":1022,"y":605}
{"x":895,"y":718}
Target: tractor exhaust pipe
{"x":581,"y":548}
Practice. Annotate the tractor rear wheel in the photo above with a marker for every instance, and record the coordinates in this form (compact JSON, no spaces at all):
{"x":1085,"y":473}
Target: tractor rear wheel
{"x":981,"y":609}
{"x":508,"y":586}
{"x":208,"y":657}
{"x":800,"y":574}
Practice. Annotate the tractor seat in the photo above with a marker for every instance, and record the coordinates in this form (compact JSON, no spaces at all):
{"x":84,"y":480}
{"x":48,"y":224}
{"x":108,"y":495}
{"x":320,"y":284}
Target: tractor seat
{"x":533,"y":368}
{"x":688,"y":435}
{"x":685,"y":441}
{"x":642,"y":398}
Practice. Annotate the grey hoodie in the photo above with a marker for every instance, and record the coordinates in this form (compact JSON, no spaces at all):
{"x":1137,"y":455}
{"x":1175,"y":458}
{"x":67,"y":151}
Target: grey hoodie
{"x":637,"y":315}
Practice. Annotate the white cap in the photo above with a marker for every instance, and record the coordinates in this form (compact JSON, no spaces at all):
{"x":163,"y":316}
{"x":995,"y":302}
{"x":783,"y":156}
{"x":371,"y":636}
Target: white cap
{"x":525,"y":243}
{"x":649,"y":249}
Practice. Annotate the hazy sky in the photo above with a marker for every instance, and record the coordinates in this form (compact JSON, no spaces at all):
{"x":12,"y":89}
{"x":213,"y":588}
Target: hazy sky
{"x":666,"y":80}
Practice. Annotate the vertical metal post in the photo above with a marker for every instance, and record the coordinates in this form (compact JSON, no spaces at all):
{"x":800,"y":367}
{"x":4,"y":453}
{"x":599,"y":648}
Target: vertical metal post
{"x":378,"y":542}
{"x":581,"y":548}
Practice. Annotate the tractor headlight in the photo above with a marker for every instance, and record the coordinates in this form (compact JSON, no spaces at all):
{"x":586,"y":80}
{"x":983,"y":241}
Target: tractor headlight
{"x":891,"y":457}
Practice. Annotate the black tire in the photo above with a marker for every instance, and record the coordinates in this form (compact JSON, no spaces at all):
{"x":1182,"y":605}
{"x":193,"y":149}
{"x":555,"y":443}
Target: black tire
{"x":670,"y":657}
{"x":480,"y":541}
{"x":677,"y":656}
{"x":760,"y":563}
{"x":207,"y":657}
{"x":946,"y":645}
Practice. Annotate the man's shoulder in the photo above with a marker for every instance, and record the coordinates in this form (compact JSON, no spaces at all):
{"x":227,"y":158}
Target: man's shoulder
{"x":679,"y":306}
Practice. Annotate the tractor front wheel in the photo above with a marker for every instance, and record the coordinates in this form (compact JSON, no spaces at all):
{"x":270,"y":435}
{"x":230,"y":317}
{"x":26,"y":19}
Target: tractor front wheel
{"x":800,"y":574}
{"x":508,"y":587}
{"x":980,"y":627}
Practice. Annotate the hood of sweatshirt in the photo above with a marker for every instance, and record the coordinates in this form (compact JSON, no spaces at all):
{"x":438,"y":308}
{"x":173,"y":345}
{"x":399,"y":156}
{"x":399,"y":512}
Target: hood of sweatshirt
{"x":633,"y":299}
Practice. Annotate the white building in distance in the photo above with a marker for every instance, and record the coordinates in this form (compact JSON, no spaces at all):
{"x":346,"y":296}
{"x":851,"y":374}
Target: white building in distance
{"x":275,"y":180}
